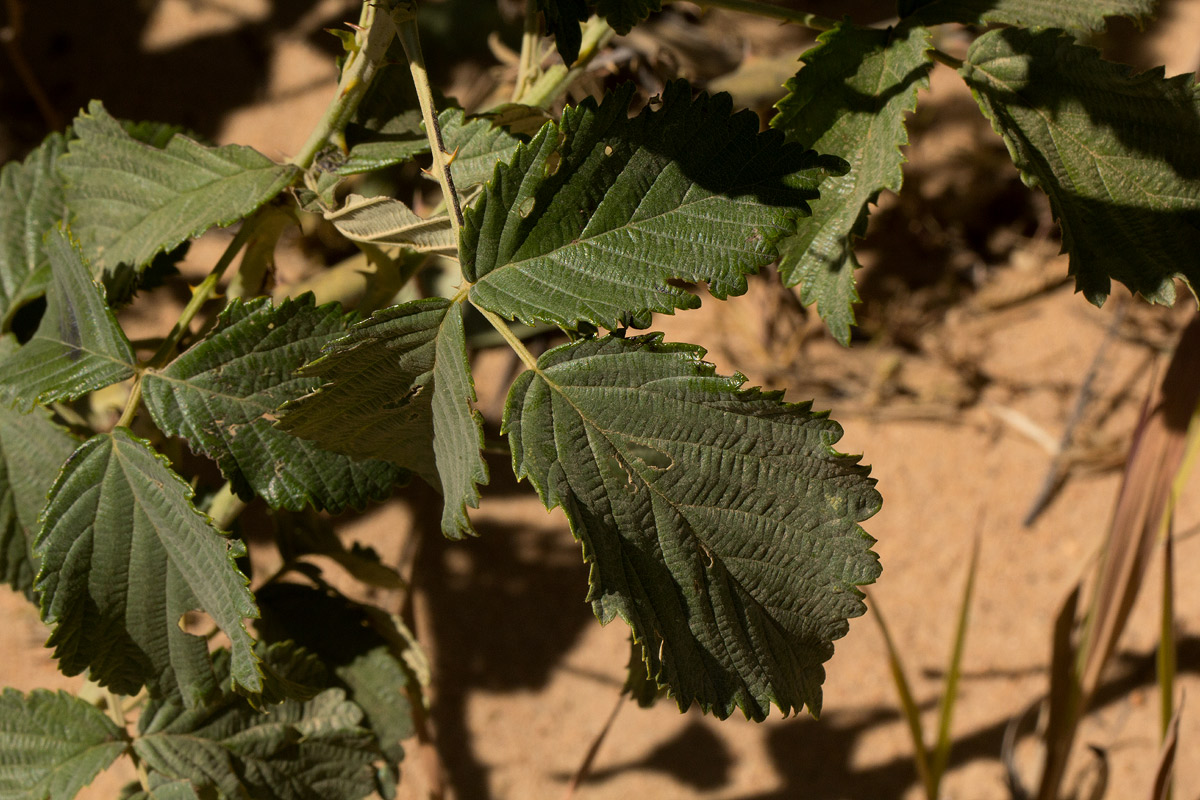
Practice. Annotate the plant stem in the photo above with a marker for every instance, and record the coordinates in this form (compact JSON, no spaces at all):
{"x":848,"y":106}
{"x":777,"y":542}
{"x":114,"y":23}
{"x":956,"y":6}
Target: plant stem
{"x":202,"y":294}
{"x":511,"y":338}
{"x":531,"y":51}
{"x":814,"y":21}
{"x":131,"y":404}
{"x":409,"y":37}
{"x":945,"y":58}
{"x":225,"y":507}
{"x":553,"y":82}
{"x":372,"y":36}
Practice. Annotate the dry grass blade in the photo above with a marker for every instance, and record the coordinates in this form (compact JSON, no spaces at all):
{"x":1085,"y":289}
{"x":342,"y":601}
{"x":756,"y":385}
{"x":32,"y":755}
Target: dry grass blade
{"x":1145,"y":496}
{"x":1063,"y":699}
{"x":1166,"y":759}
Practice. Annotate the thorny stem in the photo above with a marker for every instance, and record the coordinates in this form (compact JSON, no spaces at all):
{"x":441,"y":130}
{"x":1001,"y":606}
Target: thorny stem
{"x":531,"y":51}
{"x":372,"y":36}
{"x":554,"y":82}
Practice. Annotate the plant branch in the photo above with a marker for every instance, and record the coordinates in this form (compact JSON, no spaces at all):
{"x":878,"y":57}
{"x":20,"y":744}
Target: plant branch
{"x":201,"y":294}
{"x":367,"y":55}
{"x":409,"y":37}
{"x":553,"y":83}
{"x":531,"y":51}
{"x":511,"y":338}
{"x":761,"y":9}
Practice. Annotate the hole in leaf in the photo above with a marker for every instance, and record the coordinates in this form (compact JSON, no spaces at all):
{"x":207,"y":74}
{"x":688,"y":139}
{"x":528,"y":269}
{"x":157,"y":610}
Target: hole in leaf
{"x":653,"y":458}
{"x":198,"y":623}
{"x":526,"y":207}
{"x":608,"y":151}
{"x":553,"y":161}
{"x":27,"y":318}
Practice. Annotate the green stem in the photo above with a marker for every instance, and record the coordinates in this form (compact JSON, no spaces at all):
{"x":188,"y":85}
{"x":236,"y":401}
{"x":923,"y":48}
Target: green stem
{"x":531,"y":51}
{"x":131,"y":404}
{"x":368,"y":55}
{"x":225,"y":507}
{"x":553,"y":82}
{"x":945,"y":58}
{"x":202,"y":294}
{"x":814,"y":21}
{"x":511,"y":338}
{"x":410,"y":38}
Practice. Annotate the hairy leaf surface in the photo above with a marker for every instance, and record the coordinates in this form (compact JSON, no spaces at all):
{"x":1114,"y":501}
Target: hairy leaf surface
{"x":311,"y":750}
{"x":31,"y":201}
{"x":1083,"y":16}
{"x":52,"y":745}
{"x":594,"y":218}
{"x":222,"y":395}
{"x":131,"y":200}
{"x":32,"y":451}
{"x":384,"y":221}
{"x":1114,"y":150}
{"x":78,"y":346}
{"x":849,"y":100}
{"x":124,"y":556}
{"x":398,"y":387}
{"x":719,"y":522}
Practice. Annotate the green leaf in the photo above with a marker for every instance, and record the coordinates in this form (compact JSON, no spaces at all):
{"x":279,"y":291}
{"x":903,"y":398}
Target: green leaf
{"x":562,"y":19}
{"x":344,"y":635}
{"x":594,"y":218}
{"x":312,"y":750}
{"x":478,"y":145}
{"x":125,"y":555}
{"x":78,"y":347}
{"x":1114,"y":150}
{"x":31,"y":201}
{"x":397,"y":386}
{"x":1082,"y":16}
{"x":222,"y":395}
{"x":849,"y":100}
{"x":384,"y":221}
{"x":720,"y":523}
{"x":52,"y":745}
{"x":131,"y":200}
{"x":32,"y":450}
{"x":457,"y":427}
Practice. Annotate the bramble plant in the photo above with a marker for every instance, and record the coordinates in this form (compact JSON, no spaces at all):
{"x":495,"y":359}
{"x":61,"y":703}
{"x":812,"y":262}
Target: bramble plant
{"x":718,"y":521}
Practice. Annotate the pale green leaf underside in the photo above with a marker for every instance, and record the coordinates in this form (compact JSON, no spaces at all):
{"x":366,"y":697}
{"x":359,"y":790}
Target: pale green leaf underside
{"x":32,"y":451}
{"x":457,"y":427}
{"x":384,"y":221}
{"x":397,"y":387}
{"x":52,"y":745}
{"x":130,"y":201}
{"x":124,"y":556}
{"x":78,"y":346}
{"x":594,"y":218}
{"x":849,"y":100}
{"x":1114,"y":150}
{"x":477,"y":146}
{"x":310,"y":750}
{"x":31,"y":201}
{"x":1083,"y":15}
{"x":720,"y":523}
{"x":222,"y":395}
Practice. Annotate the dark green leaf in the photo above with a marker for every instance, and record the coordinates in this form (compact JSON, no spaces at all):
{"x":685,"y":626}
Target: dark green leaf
{"x":52,"y":745}
{"x":31,"y":201}
{"x":125,"y":555}
{"x":562,"y":22}
{"x":344,"y":635}
{"x":312,"y":750}
{"x":719,"y":522}
{"x":78,"y":347}
{"x":1114,"y":150}
{"x":593,"y":219}
{"x":131,"y":200}
{"x":397,"y":386}
{"x":849,"y":100}
{"x":222,"y":394}
{"x":32,"y":451}
{"x":1088,"y":15}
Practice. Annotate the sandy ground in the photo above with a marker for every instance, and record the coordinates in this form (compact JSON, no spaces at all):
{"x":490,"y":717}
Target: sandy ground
{"x":953,"y":404}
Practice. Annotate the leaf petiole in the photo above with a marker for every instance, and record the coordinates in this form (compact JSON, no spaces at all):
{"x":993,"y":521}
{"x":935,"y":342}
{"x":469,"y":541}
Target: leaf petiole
{"x":511,"y":338}
{"x":760,"y":9}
